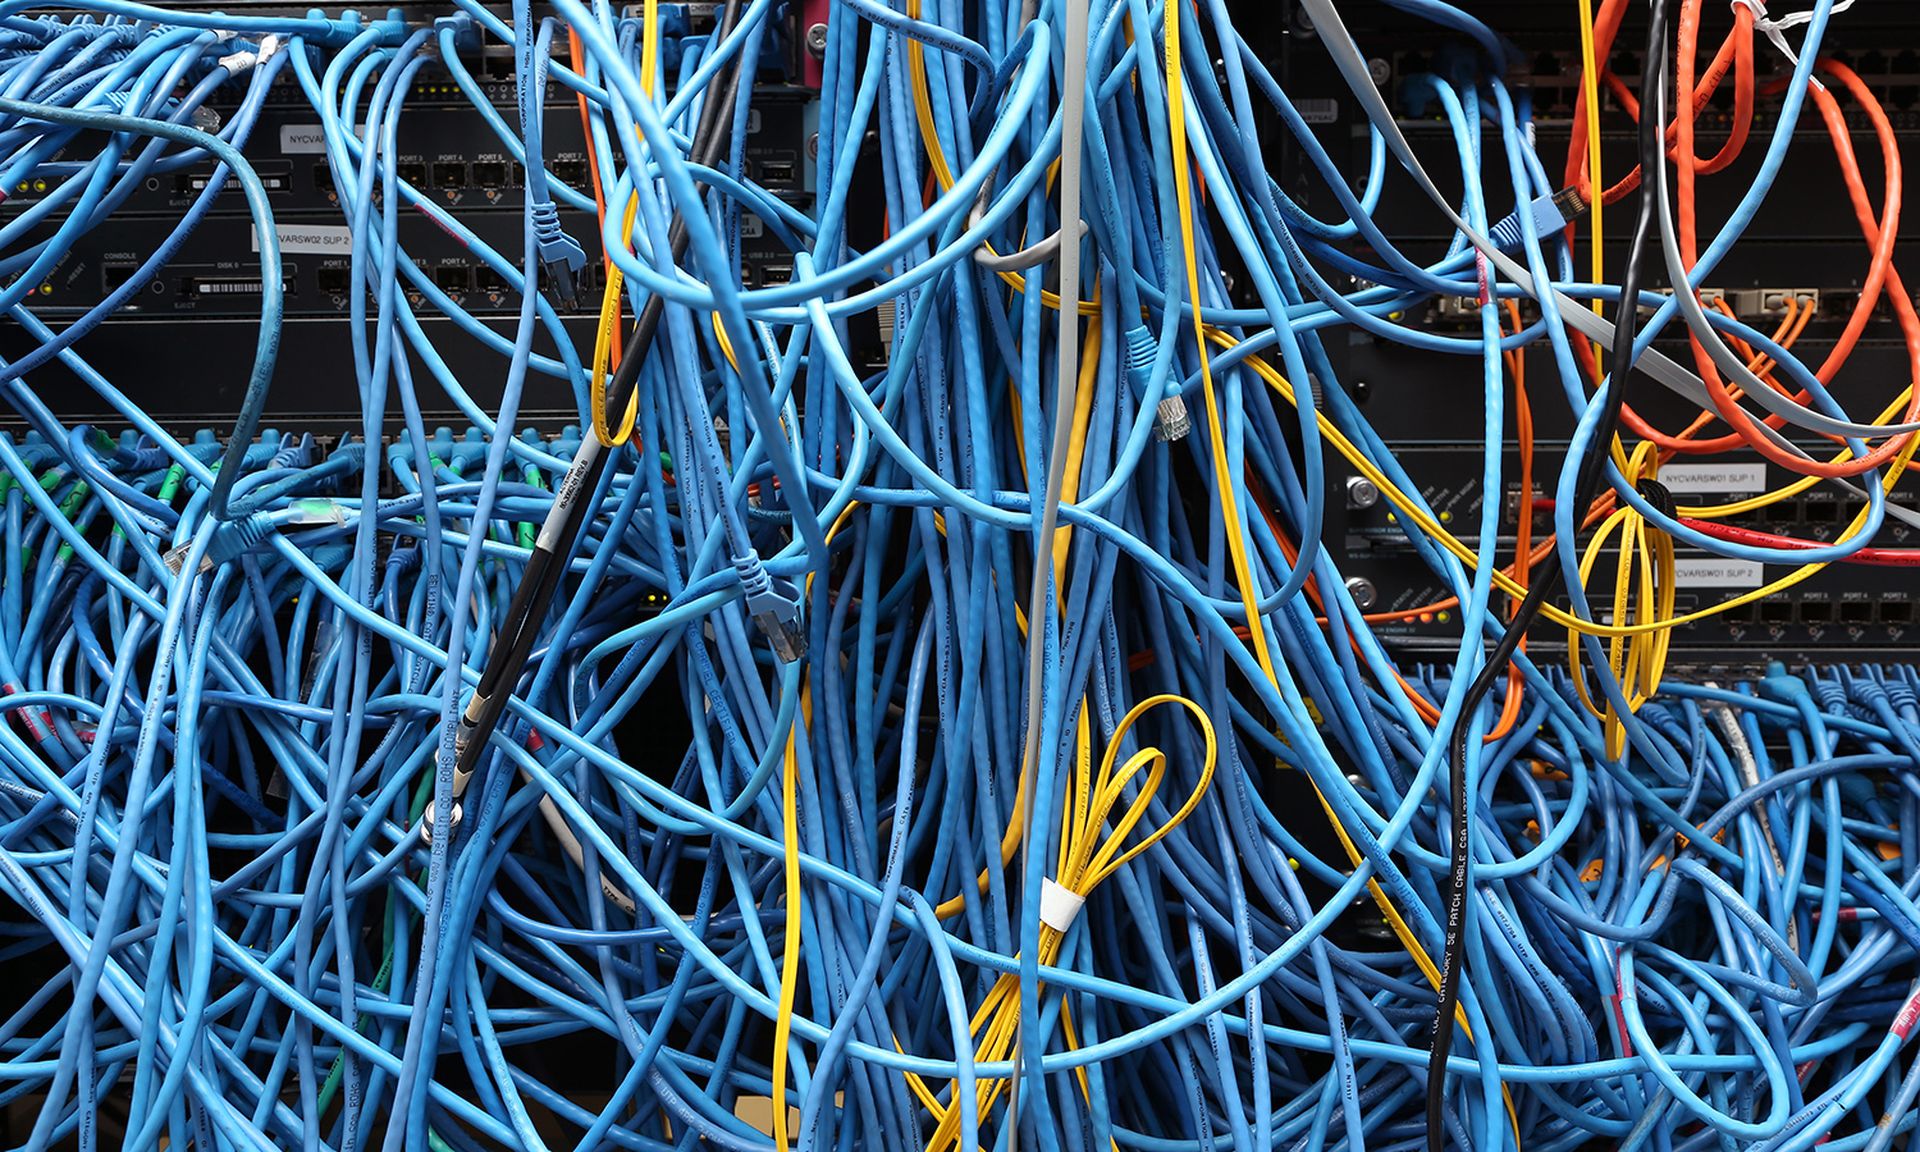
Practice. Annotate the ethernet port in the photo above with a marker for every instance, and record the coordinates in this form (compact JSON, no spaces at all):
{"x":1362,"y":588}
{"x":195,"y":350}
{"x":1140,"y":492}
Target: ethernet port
{"x":1825,"y":512}
{"x":334,"y":279}
{"x":450,"y":177}
{"x":1856,"y":611}
{"x":414,"y":174}
{"x":451,"y":278}
{"x":1780,"y":512}
{"x":1546,"y":64}
{"x":323,"y":177}
{"x":1817,"y":611}
{"x":1777,"y":611}
{"x":115,"y":273}
{"x":571,"y":171}
{"x":1897,"y":612}
{"x":490,"y":173}
{"x":491,"y":280}
{"x":1873,"y":63}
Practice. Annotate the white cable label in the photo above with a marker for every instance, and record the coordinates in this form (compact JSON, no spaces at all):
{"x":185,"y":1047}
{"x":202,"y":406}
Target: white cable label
{"x":312,"y":239}
{"x":1718,"y":479}
{"x":1059,"y":907}
{"x":1715,"y":572}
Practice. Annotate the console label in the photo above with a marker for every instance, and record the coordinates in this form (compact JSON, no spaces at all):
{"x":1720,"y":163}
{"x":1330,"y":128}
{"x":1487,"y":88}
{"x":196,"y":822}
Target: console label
{"x":1714,"y":572}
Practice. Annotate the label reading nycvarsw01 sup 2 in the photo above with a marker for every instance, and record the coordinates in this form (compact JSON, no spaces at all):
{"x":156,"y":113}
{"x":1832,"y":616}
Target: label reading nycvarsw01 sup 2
{"x":1714,"y":572}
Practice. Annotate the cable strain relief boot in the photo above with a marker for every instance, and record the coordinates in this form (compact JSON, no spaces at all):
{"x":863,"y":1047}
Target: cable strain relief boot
{"x":774,"y":605}
{"x":1899,"y":692}
{"x":561,"y":257}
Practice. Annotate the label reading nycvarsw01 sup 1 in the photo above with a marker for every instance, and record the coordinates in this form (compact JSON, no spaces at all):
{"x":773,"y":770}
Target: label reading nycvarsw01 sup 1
{"x":312,"y":239}
{"x":1727,"y":479}
{"x":1714,"y":572}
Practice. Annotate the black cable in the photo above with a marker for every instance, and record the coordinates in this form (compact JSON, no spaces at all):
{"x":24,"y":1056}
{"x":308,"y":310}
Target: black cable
{"x":1653,"y":119}
{"x":520,"y":627}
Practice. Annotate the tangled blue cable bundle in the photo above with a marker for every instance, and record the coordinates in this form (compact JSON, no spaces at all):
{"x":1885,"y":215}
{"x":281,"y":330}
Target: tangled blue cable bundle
{"x":976,"y":746}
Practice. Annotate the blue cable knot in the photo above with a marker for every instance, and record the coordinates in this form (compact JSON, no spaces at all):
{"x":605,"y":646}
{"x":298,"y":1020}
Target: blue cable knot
{"x":561,"y":257}
{"x":774,"y":605}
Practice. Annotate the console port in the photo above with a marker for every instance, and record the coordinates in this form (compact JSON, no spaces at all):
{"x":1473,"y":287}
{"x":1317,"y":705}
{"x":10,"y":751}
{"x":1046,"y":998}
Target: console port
{"x":1856,"y":611}
{"x":451,"y":277}
{"x":777,"y":173}
{"x":114,"y":273}
{"x":334,"y":279}
{"x":450,"y":177}
{"x":1777,"y":611}
{"x":490,"y":173}
{"x":571,"y":171}
{"x":1816,"y":611}
{"x":412,"y":173}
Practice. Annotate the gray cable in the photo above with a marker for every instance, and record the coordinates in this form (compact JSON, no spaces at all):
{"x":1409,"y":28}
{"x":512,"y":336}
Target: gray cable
{"x":1073,"y":84}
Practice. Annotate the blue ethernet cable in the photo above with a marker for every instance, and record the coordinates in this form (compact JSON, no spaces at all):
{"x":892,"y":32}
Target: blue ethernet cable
{"x":307,"y":932}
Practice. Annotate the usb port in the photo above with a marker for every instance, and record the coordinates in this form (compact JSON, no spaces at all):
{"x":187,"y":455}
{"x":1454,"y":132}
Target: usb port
{"x":771,"y":274}
{"x":1856,"y":611}
{"x":450,"y":278}
{"x":450,"y":177}
{"x":490,"y":174}
{"x":776,"y":172}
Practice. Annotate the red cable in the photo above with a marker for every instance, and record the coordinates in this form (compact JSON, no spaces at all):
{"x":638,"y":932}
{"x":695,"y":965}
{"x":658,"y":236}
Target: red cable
{"x":1878,"y":557}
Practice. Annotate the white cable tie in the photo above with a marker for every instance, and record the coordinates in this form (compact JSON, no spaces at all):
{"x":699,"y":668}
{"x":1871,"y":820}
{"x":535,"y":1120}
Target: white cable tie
{"x":1775,"y":28}
{"x":1059,"y":906}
